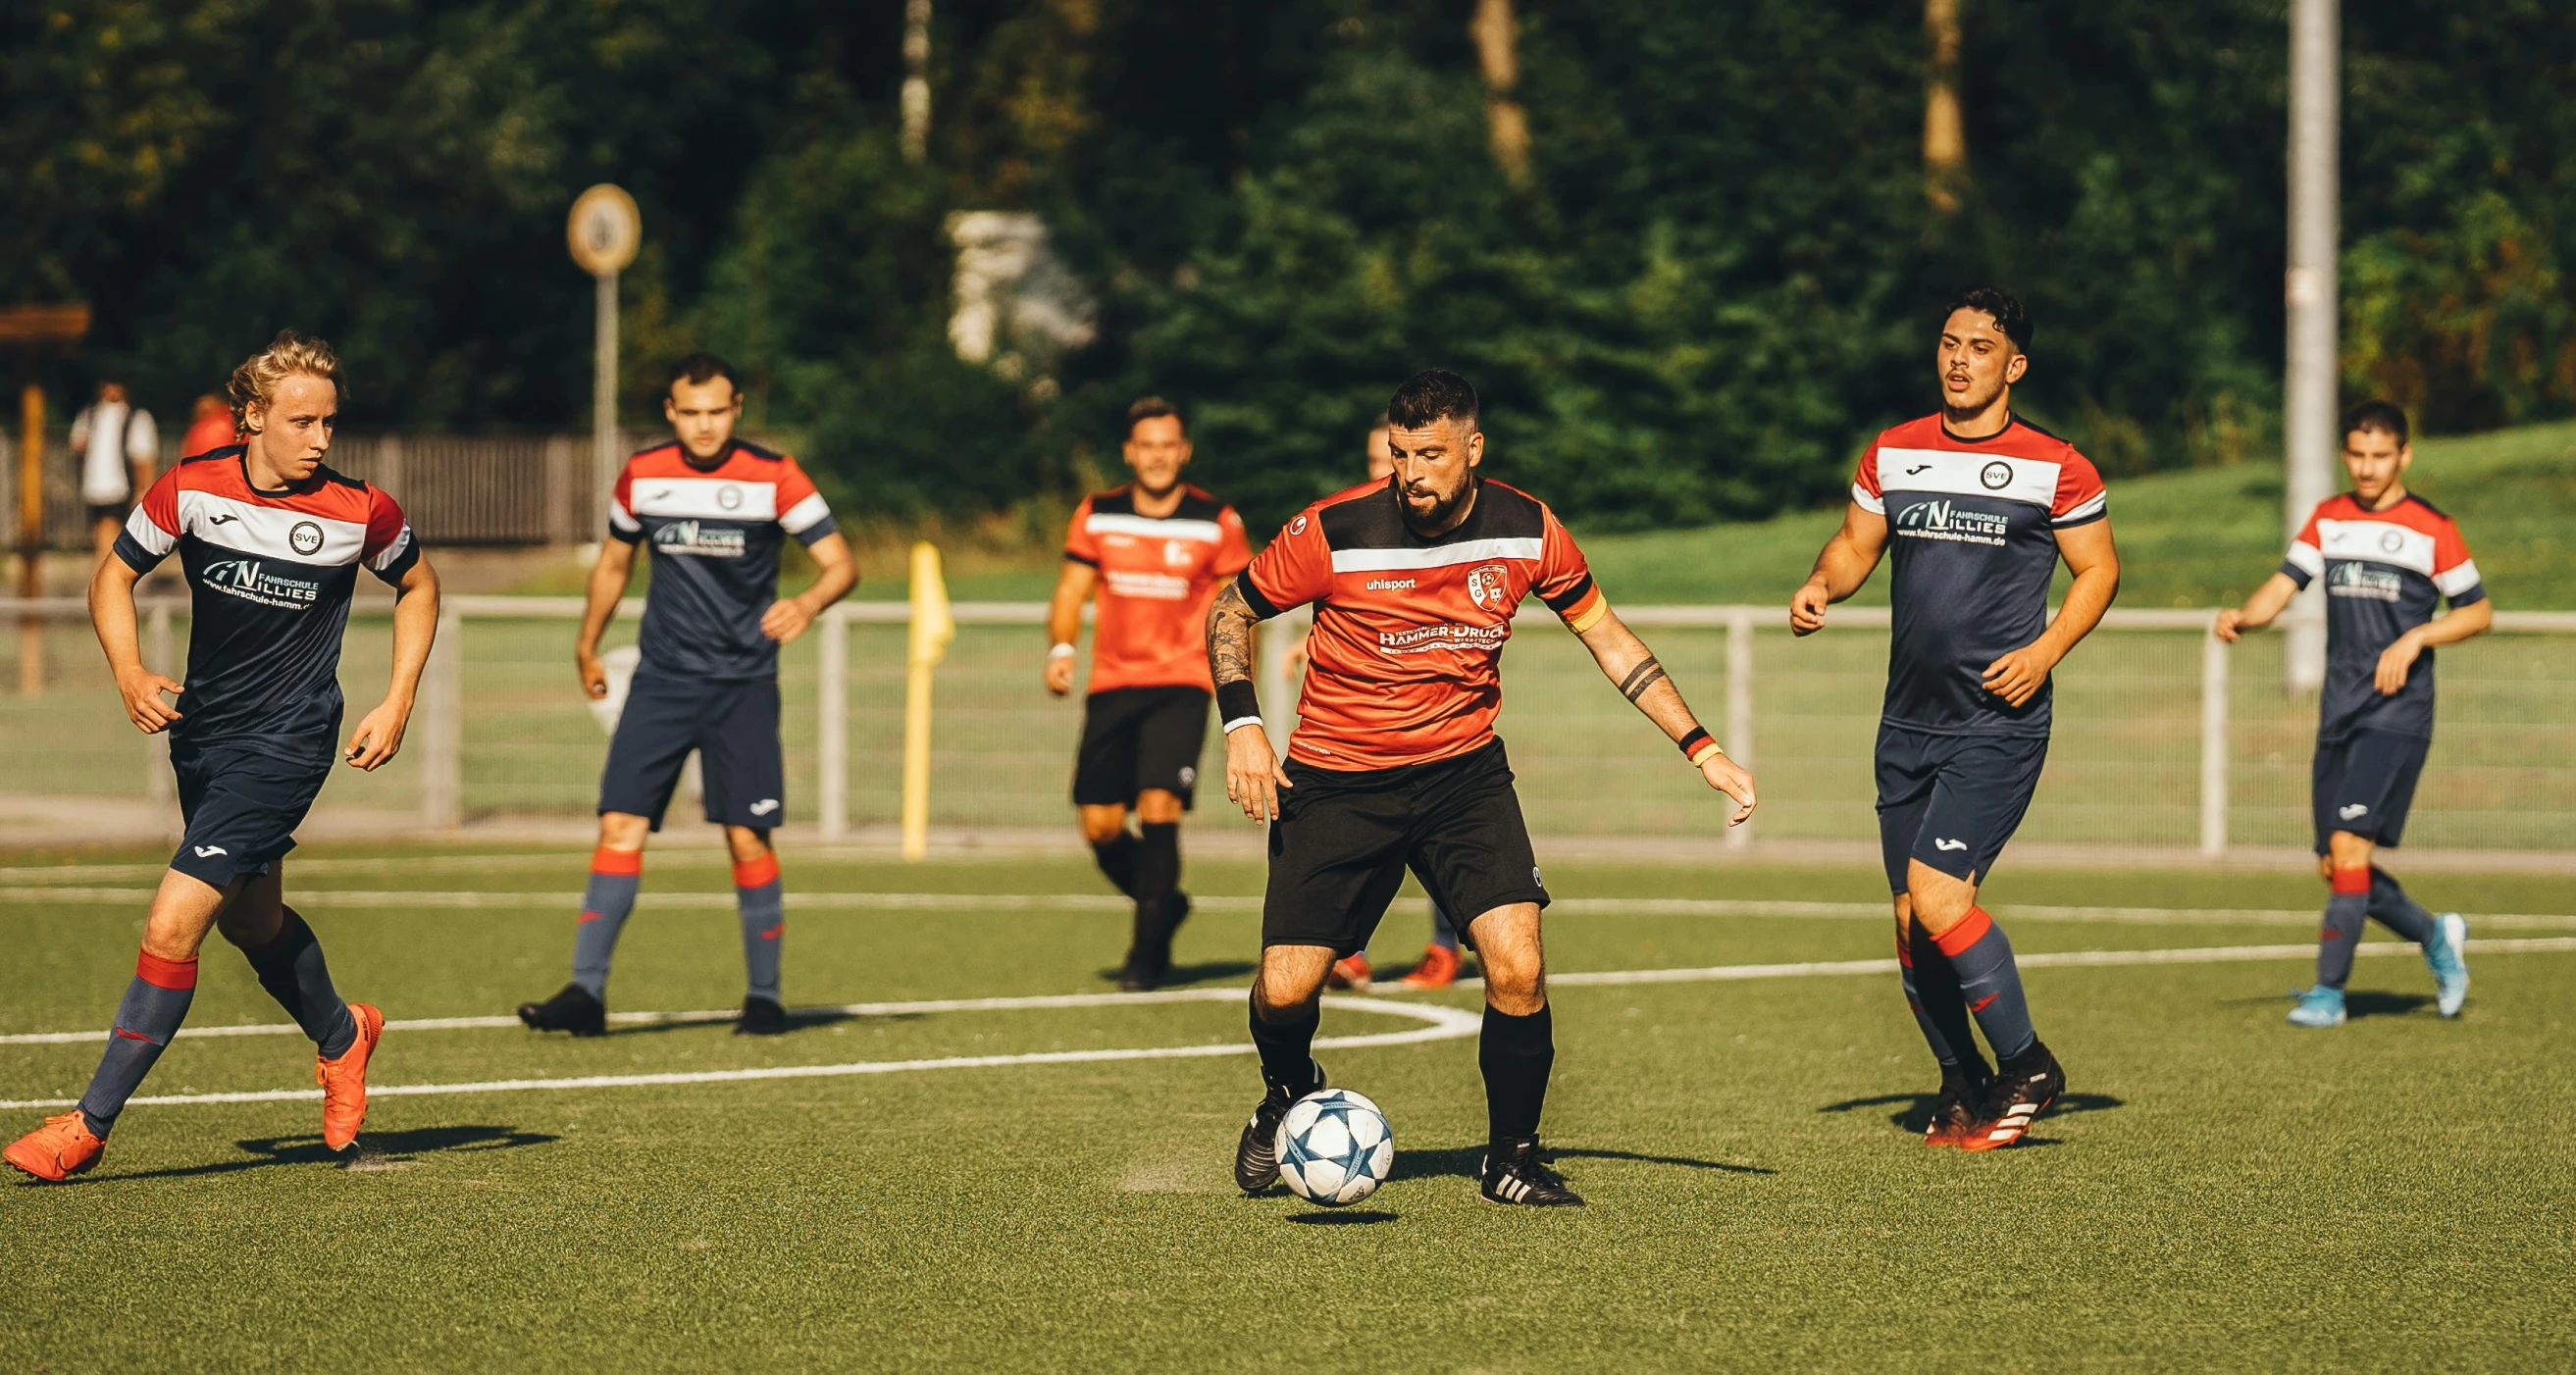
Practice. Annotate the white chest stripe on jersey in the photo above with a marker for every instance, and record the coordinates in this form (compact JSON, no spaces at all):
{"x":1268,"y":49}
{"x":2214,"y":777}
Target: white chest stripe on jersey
{"x":2377,"y":541}
{"x":1151,"y":527}
{"x":2032,"y":481}
{"x":270,"y":532}
{"x":1529,"y":547}
{"x":705,"y":498}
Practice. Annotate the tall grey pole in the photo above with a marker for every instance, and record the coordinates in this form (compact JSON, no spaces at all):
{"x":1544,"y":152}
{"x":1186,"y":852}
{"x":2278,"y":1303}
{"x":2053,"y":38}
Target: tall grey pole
{"x":603,"y":401}
{"x":916,"y":80}
{"x":2309,"y":441}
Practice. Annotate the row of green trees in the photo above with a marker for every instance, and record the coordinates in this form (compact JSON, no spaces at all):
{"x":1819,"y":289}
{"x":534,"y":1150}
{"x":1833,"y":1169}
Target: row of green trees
{"x":1713,"y":275}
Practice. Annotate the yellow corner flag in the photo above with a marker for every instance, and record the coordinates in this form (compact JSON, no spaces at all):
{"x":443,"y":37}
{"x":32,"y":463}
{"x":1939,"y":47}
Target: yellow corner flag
{"x":932,"y":629}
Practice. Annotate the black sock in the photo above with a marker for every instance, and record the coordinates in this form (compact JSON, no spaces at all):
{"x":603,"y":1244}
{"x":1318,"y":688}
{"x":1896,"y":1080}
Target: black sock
{"x":1287,"y":1051}
{"x":290,"y":967}
{"x":1158,"y":877}
{"x":2396,"y":911}
{"x":1117,"y":860}
{"x":1940,"y":1009}
{"x":1515,"y":1053}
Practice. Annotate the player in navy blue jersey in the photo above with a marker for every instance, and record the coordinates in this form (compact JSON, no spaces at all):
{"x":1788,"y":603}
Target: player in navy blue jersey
{"x":2387,"y":558}
{"x":717,"y":512}
{"x":272,"y":541}
{"x":1974,"y":506}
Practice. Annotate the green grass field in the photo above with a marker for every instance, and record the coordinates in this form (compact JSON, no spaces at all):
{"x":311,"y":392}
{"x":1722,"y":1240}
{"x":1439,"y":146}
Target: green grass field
{"x":2217,"y":1188}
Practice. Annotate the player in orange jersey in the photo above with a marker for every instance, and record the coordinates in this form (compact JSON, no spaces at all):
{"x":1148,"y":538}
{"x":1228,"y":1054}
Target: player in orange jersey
{"x":1395,"y":765}
{"x":1152,"y":552}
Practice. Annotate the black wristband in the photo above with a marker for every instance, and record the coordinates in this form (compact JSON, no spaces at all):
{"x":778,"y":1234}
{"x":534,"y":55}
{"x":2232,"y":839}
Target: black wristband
{"x":1235,"y":701}
{"x":1699,"y":736}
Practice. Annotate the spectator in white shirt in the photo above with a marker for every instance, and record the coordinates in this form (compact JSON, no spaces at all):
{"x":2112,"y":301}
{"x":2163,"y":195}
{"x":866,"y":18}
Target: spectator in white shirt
{"x":119,"y":451}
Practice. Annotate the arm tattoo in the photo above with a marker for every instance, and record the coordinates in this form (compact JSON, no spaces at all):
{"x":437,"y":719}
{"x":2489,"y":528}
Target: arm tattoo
{"x":1640,"y":678}
{"x":1229,"y":637}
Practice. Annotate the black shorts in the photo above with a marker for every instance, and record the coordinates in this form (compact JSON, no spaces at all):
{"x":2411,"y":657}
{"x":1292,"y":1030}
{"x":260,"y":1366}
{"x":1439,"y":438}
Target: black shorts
{"x":242,"y":803}
{"x":2364,"y":783}
{"x":1343,"y":840}
{"x":731,"y":723}
{"x":1139,"y":738}
{"x":1952,"y":801}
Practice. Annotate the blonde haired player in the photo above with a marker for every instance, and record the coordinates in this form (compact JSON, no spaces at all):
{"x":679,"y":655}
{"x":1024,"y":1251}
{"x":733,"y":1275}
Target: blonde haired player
{"x":272,"y":541}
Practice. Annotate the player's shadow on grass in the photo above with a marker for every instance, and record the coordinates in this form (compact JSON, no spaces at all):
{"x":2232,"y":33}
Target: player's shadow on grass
{"x":374,"y":1151}
{"x":1356,"y":1217}
{"x":2363,"y":1003}
{"x":1186,"y":975}
{"x":1464,"y":1162}
{"x":1914,"y":1110}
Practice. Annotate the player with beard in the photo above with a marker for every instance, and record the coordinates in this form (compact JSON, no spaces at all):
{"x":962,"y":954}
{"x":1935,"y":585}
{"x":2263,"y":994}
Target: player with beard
{"x":1153,"y":552}
{"x":1394,"y":764}
{"x":1981,"y":505}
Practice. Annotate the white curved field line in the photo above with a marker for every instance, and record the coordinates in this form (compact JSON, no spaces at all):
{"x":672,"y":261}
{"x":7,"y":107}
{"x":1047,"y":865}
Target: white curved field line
{"x":1444,"y":1023}
{"x":472,"y":899}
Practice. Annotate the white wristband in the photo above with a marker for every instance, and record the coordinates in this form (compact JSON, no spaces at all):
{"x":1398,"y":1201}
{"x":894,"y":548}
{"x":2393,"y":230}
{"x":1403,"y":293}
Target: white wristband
{"x":1060,"y":651}
{"x":1240,"y":722}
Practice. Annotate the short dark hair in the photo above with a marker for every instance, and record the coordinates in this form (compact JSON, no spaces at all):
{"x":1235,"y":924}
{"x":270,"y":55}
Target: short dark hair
{"x":2004,"y":306}
{"x":1152,"y":408}
{"x":699,"y":369}
{"x":2384,"y":416}
{"x":1430,"y":396}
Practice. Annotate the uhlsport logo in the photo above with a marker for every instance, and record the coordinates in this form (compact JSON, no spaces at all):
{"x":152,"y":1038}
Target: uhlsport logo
{"x":1996,"y":475}
{"x":1486,"y":585}
{"x":305,"y":538}
{"x":1297,"y":526}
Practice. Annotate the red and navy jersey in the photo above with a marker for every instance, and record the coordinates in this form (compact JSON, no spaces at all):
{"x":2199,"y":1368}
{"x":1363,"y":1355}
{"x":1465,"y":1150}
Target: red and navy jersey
{"x":271,"y":574}
{"x":715,"y":530}
{"x":1972,"y":539}
{"x":1405,"y":664}
{"x":2384,"y":570}
{"x":1157,"y":576}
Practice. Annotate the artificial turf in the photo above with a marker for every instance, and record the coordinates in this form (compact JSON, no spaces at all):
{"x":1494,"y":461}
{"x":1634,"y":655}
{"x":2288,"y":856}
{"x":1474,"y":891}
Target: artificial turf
{"x":2218,"y":1188}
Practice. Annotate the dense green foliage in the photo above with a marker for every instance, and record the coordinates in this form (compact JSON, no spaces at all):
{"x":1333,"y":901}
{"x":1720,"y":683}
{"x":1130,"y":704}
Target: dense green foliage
{"x":1716,"y":279}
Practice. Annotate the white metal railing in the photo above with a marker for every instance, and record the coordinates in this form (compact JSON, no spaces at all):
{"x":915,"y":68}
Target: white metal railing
{"x":441,"y":737}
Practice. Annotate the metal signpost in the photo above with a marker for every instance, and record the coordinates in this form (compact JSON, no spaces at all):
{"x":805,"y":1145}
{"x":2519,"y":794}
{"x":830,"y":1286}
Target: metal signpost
{"x":2308,"y":439}
{"x":604,"y":232}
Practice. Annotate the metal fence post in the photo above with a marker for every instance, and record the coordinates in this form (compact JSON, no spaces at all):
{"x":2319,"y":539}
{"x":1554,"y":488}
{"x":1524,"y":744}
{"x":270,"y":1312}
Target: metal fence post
{"x":832,"y":731}
{"x":2213,"y":746}
{"x":563,"y":522}
{"x":1739,"y":702}
{"x":442,"y":789}
{"x":158,"y":658}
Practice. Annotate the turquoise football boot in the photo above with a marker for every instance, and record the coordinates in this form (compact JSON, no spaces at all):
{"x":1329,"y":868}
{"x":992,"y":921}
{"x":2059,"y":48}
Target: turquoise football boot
{"x":2319,"y":1007}
{"x":2445,"y":954}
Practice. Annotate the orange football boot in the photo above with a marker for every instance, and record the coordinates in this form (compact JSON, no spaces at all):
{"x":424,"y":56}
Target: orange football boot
{"x":1351,"y":971}
{"x":54,"y":1152}
{"x":1439,"y":969}
{"x":344,"y":1081}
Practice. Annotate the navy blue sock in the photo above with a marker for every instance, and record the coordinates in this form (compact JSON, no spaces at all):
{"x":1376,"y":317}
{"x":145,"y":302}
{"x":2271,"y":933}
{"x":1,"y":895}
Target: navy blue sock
{"x":290,"y":967}
{"x":1287,"y":1051}
{"x":1940,"y":1009}
{"x":1515,"y":1054}
{"x":154,"y":1006}
{"x":1982,"y":958}
{"x":760,"y":895}
{"x":2396,"y":911}
{"x":2346,"y":911}
{"x":615,"y":875}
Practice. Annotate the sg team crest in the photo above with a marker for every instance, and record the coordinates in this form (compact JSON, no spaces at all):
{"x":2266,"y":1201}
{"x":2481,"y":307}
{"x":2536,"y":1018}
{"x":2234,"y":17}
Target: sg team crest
{"x":1486,"y":586}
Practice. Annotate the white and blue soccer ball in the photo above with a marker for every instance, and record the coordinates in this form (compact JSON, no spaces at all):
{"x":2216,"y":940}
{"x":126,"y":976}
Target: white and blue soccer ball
{"x":1335,"y":1148}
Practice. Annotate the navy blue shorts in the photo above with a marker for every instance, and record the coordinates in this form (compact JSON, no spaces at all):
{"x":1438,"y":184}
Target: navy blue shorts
{"x":242,"y":803}
{"x":732,"y":724}
{"x":2364,"y":783}
{"x":1952,"y":801}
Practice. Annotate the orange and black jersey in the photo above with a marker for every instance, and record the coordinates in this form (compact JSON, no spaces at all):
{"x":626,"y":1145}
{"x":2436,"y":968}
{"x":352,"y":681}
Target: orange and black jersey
{"x":1158,"y":575}
{"x":270,"y":574}
{"x":1404,"y":666}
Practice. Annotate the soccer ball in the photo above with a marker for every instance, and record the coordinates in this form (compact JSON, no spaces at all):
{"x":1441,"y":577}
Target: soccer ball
{"x":1334,"y":1148}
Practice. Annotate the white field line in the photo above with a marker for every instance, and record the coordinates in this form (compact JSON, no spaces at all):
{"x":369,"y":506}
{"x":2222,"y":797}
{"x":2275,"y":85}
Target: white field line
{"x":1109,"y":903}
{"x":1445,"y":1023}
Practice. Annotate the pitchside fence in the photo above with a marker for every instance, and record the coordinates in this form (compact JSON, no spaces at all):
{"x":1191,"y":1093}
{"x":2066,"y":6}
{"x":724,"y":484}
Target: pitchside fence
{"x":2164,"y":739}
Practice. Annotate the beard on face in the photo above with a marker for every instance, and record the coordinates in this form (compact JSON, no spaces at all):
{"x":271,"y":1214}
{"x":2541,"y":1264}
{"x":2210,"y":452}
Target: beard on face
{"x":1425,"y":521}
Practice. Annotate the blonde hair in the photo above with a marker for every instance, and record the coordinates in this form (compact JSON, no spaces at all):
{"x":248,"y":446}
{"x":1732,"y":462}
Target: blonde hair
{"x":289,"y":354}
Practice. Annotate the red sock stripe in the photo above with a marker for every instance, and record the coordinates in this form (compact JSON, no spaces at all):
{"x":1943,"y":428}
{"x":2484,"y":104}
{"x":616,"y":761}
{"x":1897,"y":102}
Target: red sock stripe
{"x":161,"y":973}
{"x":755,"y":873}
{"x":1904,"y":951}
{"x":2347,"y":882}
{"x":1968,"y":932}
{"x":618,"y":863}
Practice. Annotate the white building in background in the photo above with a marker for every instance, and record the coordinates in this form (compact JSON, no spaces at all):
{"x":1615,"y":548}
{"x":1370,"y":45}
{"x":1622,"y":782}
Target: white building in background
{"x":1017,"y":308}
